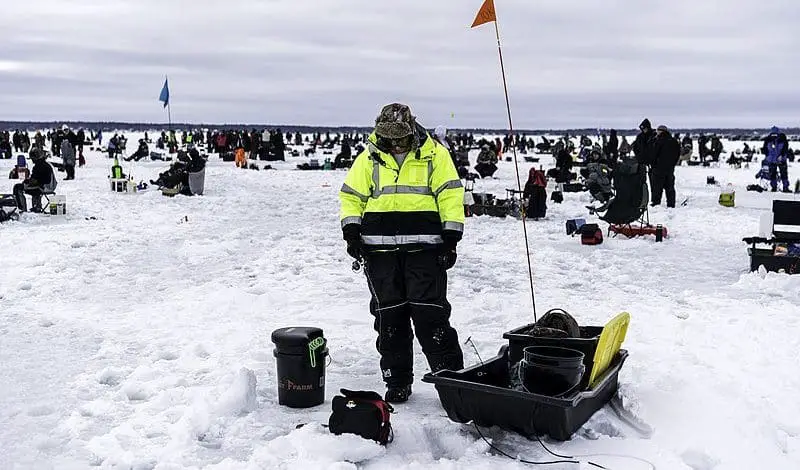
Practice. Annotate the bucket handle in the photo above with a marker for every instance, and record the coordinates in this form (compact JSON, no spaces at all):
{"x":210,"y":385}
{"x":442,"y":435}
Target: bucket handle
{"x":313,"y":345}
{"x":560,"y":395}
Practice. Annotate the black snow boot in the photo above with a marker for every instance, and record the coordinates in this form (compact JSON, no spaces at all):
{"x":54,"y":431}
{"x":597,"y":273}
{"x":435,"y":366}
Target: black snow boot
{"x":398,"y":394}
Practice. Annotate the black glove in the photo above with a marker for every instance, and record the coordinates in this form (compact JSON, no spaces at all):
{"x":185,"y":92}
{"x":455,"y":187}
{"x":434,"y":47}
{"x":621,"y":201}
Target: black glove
{"x":352,"y":235}
{"x":447,"y":254}
{"x":447,"y":258}
{"x":354,"y":249}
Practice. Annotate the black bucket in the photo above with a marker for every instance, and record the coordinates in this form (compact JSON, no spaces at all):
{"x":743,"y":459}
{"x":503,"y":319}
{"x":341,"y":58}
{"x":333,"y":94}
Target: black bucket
{"x":301,"y":353}
{"x":522,"y":337}
{"x":551,"y":371}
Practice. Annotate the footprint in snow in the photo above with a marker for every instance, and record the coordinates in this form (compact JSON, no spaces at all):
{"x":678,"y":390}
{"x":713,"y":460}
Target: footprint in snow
{"x":46,"y":323}
{"x":40,"y":410}
{"x":602,"y":424}
{"x":681,"y":315}
{"x":136,"y":392}
{"x":144,"y":465}
{"x":25,"y":286}
{"x":167,"y":355}
{"x":257,"y":290}
{"x":698,"y":460}
{"x":109,"y":376}
{"x":200,"y":350}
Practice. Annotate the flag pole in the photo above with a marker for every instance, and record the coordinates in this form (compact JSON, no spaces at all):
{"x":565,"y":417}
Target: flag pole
{"x":516,"y":167}
{"x":169,"y":106}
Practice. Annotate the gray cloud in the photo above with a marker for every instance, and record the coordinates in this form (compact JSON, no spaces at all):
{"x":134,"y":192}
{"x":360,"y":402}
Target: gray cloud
{"x":335,"y":62}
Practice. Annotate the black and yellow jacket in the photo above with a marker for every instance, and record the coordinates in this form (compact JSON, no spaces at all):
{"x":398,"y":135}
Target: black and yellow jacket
{"x":410,"y":207}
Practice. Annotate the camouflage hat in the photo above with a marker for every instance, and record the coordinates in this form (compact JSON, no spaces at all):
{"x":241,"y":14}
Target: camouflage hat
{"x":394,"y":122}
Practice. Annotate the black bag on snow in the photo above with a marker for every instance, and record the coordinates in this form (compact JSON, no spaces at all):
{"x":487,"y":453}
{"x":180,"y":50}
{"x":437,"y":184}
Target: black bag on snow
{"x":5,"y":216}
{"x":365,"y":414}
{"x":591,"y":234}
{"x":573,"y":188}
{"x":574,"y":225}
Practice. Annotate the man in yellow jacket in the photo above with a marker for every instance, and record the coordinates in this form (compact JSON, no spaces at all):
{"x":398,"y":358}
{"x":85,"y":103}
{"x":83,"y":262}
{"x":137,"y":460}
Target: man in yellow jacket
{"x":402,"y":213}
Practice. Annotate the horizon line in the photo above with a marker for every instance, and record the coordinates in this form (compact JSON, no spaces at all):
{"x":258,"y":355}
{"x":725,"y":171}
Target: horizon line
{"x":5,"y":125}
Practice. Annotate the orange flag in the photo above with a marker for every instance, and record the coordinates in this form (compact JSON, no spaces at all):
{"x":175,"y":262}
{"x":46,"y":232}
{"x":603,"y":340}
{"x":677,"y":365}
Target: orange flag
{"x":486,"y":14}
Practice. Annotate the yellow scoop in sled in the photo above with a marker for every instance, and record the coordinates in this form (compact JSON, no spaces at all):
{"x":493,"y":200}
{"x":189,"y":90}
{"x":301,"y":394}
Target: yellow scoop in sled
{"x":609,"y":344}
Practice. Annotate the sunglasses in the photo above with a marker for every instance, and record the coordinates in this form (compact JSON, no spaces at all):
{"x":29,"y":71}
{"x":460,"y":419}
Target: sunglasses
{"x":403,"y":144}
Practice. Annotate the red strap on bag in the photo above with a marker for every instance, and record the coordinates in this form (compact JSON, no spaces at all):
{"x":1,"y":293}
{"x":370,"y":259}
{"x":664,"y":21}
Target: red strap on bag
{"x":387,"y":435}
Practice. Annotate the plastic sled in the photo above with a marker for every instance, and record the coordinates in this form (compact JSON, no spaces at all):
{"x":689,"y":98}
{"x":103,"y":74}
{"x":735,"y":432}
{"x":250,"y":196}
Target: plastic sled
{"x":482,"y":394}
{"x":632,"y":231}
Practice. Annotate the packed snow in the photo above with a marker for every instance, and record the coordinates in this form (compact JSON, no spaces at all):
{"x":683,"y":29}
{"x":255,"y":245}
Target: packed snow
{"x":135,"y":330}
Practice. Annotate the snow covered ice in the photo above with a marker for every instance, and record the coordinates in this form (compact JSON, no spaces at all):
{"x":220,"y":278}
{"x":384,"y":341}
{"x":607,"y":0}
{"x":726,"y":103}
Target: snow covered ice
{"x":135,"y":330}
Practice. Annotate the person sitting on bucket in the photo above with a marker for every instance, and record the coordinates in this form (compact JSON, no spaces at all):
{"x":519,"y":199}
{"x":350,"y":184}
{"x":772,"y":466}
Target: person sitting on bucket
{"x":486,"y":164}
{"x":142,"y":152}
{"x":116,"y":170}
{"x":21,"y":171}
{"x":402,"y":214}
{"x":42,"y":179}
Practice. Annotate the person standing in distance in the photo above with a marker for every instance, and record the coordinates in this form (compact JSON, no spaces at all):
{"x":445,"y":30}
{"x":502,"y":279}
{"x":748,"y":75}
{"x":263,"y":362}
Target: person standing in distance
{"x":402,"y":213}
{"x":667,"y":154}
{"x":776,"y":150}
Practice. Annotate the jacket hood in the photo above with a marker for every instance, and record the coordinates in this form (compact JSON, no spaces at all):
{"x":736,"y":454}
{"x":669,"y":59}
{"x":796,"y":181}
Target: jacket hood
{"x":646,"y":124}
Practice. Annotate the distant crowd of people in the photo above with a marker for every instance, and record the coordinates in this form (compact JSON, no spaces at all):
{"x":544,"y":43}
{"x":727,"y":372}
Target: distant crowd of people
{"x":656,"y":149}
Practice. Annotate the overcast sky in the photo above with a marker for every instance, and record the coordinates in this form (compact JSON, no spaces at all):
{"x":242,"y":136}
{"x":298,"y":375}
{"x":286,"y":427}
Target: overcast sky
{"x":570,"y":63}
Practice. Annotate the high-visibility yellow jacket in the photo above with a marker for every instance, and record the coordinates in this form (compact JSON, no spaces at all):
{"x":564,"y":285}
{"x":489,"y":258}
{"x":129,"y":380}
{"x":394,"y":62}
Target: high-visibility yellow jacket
{"x":408,"y":207}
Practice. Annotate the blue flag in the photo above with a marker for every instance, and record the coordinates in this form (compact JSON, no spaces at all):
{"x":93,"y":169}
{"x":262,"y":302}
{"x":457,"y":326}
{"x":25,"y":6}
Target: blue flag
{"x":164,"y":96}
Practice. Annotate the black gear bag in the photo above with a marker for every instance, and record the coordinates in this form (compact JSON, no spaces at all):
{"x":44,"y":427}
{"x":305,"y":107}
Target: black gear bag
{"x":591,"y":234}
{"x":362,"y":413}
